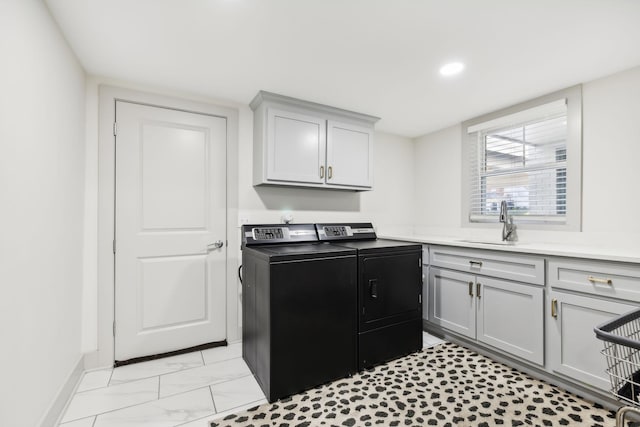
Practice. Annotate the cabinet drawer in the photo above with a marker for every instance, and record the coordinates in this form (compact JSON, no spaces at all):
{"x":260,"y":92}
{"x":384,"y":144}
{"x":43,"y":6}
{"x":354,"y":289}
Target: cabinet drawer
{"x":611,"y":279}
{"x":523,"y":268}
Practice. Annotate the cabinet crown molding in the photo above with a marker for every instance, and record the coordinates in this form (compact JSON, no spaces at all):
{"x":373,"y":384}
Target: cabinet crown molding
{"x":264,"y":96}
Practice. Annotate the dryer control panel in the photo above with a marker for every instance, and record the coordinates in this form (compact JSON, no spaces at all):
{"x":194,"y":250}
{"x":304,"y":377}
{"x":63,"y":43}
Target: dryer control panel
{"x":348,"y":231}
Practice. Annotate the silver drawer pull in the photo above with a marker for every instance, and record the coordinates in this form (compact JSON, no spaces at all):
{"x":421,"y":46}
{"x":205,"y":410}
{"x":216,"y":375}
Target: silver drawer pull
{"x":475,"y":263}
{"x":600,"y":280}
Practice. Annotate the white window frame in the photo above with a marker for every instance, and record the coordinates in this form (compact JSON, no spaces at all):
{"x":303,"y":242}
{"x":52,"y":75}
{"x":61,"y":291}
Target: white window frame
{"x":573,"y":217}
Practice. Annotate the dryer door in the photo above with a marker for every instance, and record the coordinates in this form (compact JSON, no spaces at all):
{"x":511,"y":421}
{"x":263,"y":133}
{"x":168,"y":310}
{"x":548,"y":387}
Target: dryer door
{"x":390,"y":289}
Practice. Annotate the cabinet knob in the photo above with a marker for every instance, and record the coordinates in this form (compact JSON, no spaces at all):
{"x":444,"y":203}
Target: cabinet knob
{"x":554,"y":308}
{"x":470,"y":289}
{"x":330,"y":172}
{"x":321,"y":171}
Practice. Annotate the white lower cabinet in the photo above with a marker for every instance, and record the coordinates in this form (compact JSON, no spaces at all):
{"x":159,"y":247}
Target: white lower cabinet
{"x":510,"y":317}
{"x":425,"y":292}
{"x":498,"y":299}
{"x":451,"y":302}
{"x":501,"y":313}
{"x":574,"y":348}
{"x":425,"y":283}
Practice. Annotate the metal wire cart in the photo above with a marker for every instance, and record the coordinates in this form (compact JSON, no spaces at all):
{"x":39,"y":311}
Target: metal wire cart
{"x":621,"y":336}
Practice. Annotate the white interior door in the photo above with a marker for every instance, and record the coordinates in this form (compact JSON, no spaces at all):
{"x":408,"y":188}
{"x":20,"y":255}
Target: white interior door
{"x":170,"y":207}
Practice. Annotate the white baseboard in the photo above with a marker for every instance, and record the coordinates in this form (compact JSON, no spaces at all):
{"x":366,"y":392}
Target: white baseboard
{"x":55,"y":410}
{"x":92,"y":361}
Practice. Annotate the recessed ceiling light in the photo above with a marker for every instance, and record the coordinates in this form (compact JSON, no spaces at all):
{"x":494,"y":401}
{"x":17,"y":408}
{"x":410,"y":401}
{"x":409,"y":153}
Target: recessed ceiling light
{"x":452,"y":68}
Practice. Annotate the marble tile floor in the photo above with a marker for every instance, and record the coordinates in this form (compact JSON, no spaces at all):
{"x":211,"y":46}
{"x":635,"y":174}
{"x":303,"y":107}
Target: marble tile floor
{"x":188,"y":390}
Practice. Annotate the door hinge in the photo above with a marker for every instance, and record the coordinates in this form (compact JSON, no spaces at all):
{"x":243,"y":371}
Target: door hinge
{"x":115,"y":129}
{"x":114,"y":328}
{"x":114,"y":246}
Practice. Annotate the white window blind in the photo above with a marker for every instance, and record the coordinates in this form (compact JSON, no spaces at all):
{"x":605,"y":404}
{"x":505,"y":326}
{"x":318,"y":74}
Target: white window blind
{"x":520,"y":158}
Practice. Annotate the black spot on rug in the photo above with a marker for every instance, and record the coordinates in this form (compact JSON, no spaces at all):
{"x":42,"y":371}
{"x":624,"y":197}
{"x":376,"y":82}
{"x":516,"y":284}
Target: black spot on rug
{"x":443,"y":386}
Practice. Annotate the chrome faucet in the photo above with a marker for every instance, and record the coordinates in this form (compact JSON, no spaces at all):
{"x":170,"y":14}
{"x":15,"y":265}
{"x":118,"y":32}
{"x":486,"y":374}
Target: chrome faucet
{"x":509,"y":228}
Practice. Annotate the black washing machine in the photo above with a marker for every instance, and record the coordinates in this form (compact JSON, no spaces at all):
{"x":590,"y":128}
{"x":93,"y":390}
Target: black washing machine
{"x":299,"y":308}
{"x":389,"y":292}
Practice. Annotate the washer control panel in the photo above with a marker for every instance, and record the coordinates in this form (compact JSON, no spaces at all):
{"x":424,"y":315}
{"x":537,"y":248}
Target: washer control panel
{"x":268,"y":234}
{"x":260,"y":233}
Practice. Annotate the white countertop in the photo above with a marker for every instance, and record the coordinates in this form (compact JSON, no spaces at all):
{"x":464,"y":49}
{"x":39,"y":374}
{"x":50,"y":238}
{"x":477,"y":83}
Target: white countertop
{"x":629,"y":253}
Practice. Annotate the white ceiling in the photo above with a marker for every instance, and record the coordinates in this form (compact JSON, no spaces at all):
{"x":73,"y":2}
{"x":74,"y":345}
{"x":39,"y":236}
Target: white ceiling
{"x":379,"y":57}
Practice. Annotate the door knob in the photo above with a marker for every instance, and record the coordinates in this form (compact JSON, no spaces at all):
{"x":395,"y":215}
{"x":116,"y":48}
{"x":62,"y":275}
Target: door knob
{"x":215,"y":245}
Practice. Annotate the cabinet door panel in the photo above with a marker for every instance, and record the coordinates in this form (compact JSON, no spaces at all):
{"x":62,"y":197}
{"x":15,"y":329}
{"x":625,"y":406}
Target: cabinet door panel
{"x":575,"y":350}
{"x":450,"y":304}
{"x":296,"y":147}
{"x":349,"y":154}
{"x":510,"y":317}
{"x":425,"y":292}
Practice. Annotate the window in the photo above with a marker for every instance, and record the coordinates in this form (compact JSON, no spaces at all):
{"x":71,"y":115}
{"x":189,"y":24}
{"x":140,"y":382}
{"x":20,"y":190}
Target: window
{"x":530,"y":156}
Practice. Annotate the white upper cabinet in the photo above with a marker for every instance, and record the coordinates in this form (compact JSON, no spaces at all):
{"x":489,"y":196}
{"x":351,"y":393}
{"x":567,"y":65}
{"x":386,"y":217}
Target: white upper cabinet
{"x":296,"y":146}
{"x":349,"y":154}
{"x":299,"y":143}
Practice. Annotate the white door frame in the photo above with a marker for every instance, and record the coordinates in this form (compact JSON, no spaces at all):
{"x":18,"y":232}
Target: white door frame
{"x":106,"y":204}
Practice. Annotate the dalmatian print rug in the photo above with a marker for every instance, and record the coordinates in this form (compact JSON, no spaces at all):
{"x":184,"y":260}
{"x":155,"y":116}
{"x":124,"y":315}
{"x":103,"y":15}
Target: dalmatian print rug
{"x":445,"y":386}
